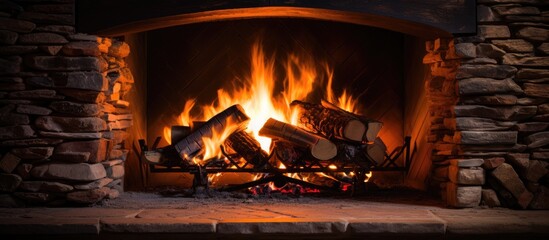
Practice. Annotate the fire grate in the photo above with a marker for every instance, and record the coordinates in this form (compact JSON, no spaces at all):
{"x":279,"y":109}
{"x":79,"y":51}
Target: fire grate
{"x":359,"y":166}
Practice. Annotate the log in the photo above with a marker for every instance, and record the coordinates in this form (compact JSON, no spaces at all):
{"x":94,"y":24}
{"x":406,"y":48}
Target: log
{"x":376,"y":151}
{"x":179,"y":132}
{"x":247,"y":147}
{"x":287,"y":153}
{"x":319,"y":147}
{"x":328,"y":122}
{"x":152,"y":157}
{"x":191,"y":145}
{"x":372,"y":126}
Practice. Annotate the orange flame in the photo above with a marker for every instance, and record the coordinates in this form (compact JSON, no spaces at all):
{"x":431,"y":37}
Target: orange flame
{"x":259,"y":99}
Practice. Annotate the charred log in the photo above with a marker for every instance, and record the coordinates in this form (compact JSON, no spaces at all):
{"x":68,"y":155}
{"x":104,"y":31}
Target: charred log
{"x":247,"y":147}
{"x":192,"y":144}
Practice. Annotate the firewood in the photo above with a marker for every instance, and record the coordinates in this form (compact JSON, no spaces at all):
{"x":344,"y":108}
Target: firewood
{"x":328,"y":122}
{"x":319,"y":147}
{"x":376,"y":151}
{"x":247,"y":147}
{"x":189,"y":146}
{"x":152,"y":157}
{"x":287,"y":153}
{"x":372,"y":127}
{"x":179,"y":132}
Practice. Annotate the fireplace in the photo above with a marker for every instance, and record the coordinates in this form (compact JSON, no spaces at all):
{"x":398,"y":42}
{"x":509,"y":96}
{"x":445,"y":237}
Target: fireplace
{"x":474,"y":106}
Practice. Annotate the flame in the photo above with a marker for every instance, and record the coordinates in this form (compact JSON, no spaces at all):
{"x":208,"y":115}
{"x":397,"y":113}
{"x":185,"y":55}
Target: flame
{"x":257,"y":94}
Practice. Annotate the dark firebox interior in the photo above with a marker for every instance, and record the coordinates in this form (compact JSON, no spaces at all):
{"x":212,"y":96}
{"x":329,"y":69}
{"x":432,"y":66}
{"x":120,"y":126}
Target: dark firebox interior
{"x":382,"y":68}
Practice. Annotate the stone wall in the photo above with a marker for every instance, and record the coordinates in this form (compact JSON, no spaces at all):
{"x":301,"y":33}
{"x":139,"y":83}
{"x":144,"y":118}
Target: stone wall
{"x":63,"y":117}
{"x":490,"y":108}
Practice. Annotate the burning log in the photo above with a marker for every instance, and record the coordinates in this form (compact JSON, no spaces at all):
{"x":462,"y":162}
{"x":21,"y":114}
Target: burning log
{"x":372,"y":127}
{"x":319,"y":147}
{"x":192,"y":144}
{"x":287,"y":153}
{"x":329,"y":122}
{"x":179,"y":132}
{"x":247,"y":147}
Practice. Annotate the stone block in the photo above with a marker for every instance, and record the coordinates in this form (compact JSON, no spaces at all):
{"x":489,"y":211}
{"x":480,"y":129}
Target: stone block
{"x":84,"y":95}
{"x":514,"y":45}
{"x":51,"y":50}
{"x":493,"y":31}
{"x":489,"y":51}
{"x":540,"y":155}
{"x":509,"y":179}
{"x":530,"y":73}
{"x":51,"y":8}
{"x":8,"y":37}
{"x":8,"y":201}
{"x":471,"y":162}
{"x":17,"y":50}
{"x":94,"y":185}
{"x":492,"y":163}
{"x":533,"y":34}
{"x":9,"y":182}
{"x":9,"y":162}
{"x":531,"y":127}
{"x":82,"y":49}
{"x":76,"y":109}
{"x":56,"y":63}
{"x":88,"y":196}
{"x":466,"y":176}
{"x":486,"y":14}
{"x":48,"y":18}
{"x":33,"y":153}
{"x":158,"y":225}
{"x":544,"y":48}
{"x":93,"y":81}
{"x":515,"y":9}
{"x":10,"y":65}
{"x":23,"y":170}
{"x":518,"y":160}
{"x":16,"y":132}
{"x":487,"y":86}
{"x":64,"y":29}
{"x":543,"y":108}
{"x":485,"y":71}
{"x":71,"y":124}
{"x":539,"y":139}
{"x":483,"y":137}
{"x":525,"y":60}
{"x":75,"y":172}
{"x":42,"y":38}
{"x":33,"y":110}
{"x":44,"y":186}
{"x":476,"y":124}
{"x":34,"y":94}
{"x":536,"y":90}
{"x":462,"y":196}
{"x":115,"y":172}
{"x":30,"y":142}
{"x":99,"y":149}
{"x":536,"y":170}
{"x":497,"y":99}
{"x":119,"y":49}
{"x":513,"y":113}
{"x":490,"y":198}
{"x":48,"y":226}
{"x":16,"y":25}
{"x":72,"y":157}
{"x":541,"y":199}
{"x":35,"y":198}
{"x":65,"y":135}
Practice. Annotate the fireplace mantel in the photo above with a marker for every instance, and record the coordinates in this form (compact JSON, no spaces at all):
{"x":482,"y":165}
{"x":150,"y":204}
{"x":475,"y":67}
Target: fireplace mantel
{"x":432,"y":18}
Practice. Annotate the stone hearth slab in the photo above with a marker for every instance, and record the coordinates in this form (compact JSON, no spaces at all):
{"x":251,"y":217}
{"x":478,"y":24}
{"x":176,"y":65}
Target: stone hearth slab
{"x":48,"y":226}
{"x":157,"y":225}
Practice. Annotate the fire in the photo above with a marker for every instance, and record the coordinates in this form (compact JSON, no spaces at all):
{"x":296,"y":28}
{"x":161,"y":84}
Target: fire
{"x":258,"y":96}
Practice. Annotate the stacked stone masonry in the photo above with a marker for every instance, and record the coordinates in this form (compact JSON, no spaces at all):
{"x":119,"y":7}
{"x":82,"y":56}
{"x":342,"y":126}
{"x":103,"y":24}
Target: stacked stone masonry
{"x":489,"y":108}
{"x":63,"y":117}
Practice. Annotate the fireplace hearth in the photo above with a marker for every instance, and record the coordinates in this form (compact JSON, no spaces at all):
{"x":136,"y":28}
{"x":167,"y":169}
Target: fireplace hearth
{"x":463,"y":101}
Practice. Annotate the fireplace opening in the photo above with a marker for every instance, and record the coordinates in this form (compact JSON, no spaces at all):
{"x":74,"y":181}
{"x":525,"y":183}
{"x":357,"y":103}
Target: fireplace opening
{"x":377,"y":73}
